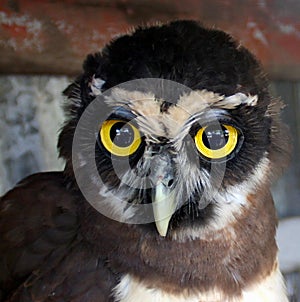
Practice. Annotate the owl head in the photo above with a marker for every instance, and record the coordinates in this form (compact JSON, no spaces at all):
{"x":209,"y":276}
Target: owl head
{"x":172,"y":124}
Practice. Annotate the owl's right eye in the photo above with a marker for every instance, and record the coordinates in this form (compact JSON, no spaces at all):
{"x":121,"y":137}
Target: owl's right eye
{"x":120,"y":138}
{"x":217,"y":141}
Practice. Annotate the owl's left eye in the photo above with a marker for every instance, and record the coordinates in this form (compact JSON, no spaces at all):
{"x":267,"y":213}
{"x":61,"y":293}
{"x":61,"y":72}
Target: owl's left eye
{"x":119,"y":137}
{"x":217,"y":141}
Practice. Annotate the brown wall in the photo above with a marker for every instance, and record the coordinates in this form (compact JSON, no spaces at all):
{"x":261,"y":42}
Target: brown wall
{"x":53,"y":37}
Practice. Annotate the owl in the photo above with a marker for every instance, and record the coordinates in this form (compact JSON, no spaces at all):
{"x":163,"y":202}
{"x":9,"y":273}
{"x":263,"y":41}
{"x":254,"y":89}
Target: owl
{"x":171,"y":143}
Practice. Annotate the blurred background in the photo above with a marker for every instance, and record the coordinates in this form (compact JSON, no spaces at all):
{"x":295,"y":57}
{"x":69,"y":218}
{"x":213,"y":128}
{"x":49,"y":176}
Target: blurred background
{"x":43,"y":44}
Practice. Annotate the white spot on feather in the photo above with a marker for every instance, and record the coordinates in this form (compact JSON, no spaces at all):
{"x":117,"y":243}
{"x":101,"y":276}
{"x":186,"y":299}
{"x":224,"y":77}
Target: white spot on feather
{"x":238,"y":99}
{"x":96,"y":86}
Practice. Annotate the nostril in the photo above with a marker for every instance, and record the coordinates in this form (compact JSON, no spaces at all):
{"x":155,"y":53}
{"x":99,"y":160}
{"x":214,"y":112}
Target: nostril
{"x":170,"y":182}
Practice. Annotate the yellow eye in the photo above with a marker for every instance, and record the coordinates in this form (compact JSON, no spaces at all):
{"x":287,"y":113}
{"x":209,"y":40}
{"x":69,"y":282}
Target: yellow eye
{"x":119,"y":137}
{"x":216,"y":141}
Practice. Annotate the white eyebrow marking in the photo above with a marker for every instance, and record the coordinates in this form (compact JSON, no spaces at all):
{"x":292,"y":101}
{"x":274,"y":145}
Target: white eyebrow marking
{"x":237,"y":99}
{"x":171,"y":122}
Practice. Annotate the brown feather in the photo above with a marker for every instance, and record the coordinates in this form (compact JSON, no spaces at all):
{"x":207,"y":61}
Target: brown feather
{"x":42,"y":254}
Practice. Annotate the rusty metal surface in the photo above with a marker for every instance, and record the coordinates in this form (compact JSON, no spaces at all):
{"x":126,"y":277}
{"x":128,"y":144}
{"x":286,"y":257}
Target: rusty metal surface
{"x":53,"y":37}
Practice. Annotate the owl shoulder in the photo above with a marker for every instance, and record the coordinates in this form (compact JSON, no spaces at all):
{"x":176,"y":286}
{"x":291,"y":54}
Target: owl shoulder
{"x":37,"y":218}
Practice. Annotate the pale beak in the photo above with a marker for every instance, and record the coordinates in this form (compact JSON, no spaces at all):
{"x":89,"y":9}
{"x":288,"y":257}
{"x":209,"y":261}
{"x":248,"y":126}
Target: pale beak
{"x":164,"y":205}
{"x":163,"y":193}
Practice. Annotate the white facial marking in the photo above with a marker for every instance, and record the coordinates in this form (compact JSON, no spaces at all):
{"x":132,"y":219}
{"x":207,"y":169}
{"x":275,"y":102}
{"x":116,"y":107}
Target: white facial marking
{"x":171,"y":123}
{"x":140,"y":102}
{"x":229,"y":205}
{"x":237,"y":99}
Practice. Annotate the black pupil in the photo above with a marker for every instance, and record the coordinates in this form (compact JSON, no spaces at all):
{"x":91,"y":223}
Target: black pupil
{"x":215,"y":137}
{"x":122,"y":134}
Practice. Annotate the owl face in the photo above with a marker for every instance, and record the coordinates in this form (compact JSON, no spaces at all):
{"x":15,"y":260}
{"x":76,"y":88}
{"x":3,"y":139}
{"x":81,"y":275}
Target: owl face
{"x":183,"y":148}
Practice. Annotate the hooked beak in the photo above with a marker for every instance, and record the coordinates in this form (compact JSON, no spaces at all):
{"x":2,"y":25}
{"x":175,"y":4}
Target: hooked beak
{"x":164,"y":205}
{"x":163,"y":194}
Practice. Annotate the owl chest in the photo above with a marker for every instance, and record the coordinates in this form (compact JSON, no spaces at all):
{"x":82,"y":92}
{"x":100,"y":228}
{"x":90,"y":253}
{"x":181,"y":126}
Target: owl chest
{"x":271,"y":289}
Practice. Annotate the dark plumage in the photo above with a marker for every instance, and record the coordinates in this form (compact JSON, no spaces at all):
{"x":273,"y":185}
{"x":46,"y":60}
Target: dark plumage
{"x":218,"y":245}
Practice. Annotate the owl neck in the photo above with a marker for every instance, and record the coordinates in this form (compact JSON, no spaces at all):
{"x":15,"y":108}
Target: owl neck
{"x":238,"y":254}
